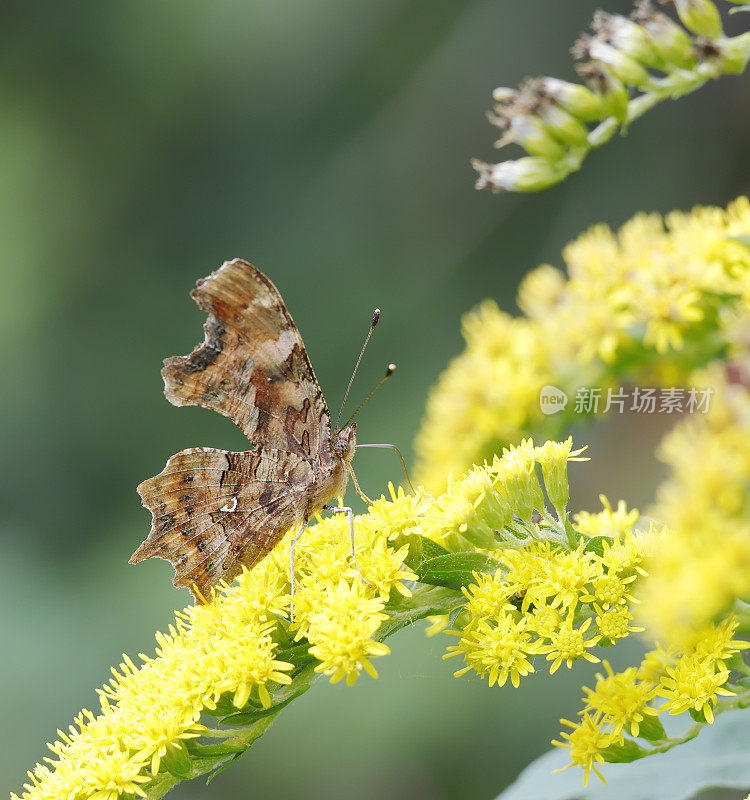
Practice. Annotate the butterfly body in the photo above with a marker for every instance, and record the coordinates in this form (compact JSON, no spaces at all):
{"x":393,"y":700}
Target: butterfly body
{"x":215,"y":511}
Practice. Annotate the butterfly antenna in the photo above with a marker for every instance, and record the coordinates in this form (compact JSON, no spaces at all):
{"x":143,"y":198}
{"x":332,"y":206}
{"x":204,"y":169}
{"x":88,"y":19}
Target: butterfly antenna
{"x":375,"y":318}
{"x":389,"y":371}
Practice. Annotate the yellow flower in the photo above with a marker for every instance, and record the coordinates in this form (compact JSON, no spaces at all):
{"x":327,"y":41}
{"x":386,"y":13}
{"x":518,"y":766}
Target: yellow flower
{"x":498,"y":648}
{"x":553,"y":458}
{"x":714,"y":642}
{"x":569,"y":644}
{"x":615,"y":623}
{"x":540,"y":291}
{"x":607,"y":523}
{"x":487,"y":596}
{"x":665,"y":310}
{"x":654,"y":664}
{"x":544,"y":619}
{"x":693,"y":683}
{"x":246,"y":663}
{"x":116,"y":774}
{"x":401,"y":515}
{"x":516,"y":480}
{"x":702,"y":564}
{"x":586,"y":743}
{"x":384,"y":568}
{"x":497,"y":502}
{"x":525,"y":570}
{"x":620,"y":701}
{"x":226,"y":651}
{"x":340,"y":631}
{"x":566,"y":576}
{"x":625,"y":553}
{"x":610,"y":589}
{"x":154,"y":734}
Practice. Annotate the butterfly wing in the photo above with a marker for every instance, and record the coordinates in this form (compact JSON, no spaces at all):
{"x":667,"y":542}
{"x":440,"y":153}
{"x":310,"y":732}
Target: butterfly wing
{"x":252,"y":366}
{"x":213,"y":511}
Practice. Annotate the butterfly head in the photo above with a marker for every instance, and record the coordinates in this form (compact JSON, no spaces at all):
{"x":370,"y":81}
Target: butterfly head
{"x":346,"y":442}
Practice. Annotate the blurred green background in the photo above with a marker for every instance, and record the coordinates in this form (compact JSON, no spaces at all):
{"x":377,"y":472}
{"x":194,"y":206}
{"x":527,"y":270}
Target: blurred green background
{"x":143,"y":143}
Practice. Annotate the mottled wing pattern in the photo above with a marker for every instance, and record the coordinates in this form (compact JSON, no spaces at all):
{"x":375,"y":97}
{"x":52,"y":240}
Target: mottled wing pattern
{"x":252,"y":366}
{"x":213,"y":511}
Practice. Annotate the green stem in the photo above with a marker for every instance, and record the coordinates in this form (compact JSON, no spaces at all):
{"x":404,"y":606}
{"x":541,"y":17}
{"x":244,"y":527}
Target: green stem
{"x":727,"y":704}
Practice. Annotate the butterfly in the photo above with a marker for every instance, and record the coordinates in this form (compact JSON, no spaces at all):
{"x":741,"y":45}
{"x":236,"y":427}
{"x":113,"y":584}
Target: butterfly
{"x":214,"y":511}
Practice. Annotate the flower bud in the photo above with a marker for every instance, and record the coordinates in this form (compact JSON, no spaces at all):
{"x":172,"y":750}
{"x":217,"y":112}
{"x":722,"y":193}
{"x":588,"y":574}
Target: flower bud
{"x":628,"y":37}
{"x":727,"y":56}
{"x":562,"y":125}
{"x":700,"y":17}
{"x":579,"y":100}
{"x":622,"y":66}
{"x":611,"y":89}
{"x":668,"y":39}
{"x":529,"y":174}
{"x":554,"y":462}
{"x":504,"y":95}
{"x":531,"y":133}
{"x":517,"y":480}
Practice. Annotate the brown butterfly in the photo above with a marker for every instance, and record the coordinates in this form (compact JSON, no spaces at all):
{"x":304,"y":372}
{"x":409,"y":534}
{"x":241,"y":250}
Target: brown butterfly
{"x":214,"y":511}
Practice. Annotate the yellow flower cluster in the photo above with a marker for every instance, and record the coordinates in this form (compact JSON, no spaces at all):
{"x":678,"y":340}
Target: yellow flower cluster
{"x":688,"y":678}
{"x":704,"y":564}
{"x":147,"y":712}
{"x":497,"y":502}
{"x":228,"y":649}
{"x":664,"y":295}
{"x":549,"y":589}
{"x":233,"y":649}
{"x":546,"y":599}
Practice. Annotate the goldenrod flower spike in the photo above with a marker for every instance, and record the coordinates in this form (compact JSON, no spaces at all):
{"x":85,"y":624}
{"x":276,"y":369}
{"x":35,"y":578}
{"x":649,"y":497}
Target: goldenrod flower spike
{"x":646,"y":305}
{"x":516,"y":581}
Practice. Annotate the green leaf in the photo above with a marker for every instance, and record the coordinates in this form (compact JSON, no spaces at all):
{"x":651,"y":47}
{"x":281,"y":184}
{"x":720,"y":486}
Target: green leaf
{"x":224,"y":706}
{"x":244,"y":718}
{"x":453,"y":616}
{"x":280,"y":698}
{"x":743,"y":238}
{"x":652,"y":730}
{"x":716,"y":759}
{"x":159,"y":785}
{"x":623,"y":753}
{"x":455,"y":569}
{"x":425,"y":601}
{"x":414,"y":557}
{"x":421,"y":550}
{"x":432,"y":549}
{"x":572,"y":534}
{"x":596,"y":545}
{"x":177,"y":761}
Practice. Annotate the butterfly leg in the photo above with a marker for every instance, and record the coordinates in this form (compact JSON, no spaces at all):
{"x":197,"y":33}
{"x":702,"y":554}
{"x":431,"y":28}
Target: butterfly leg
{"x":350,"y":518}
{"x":356,"y":486}
{"x":291,"y":569}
